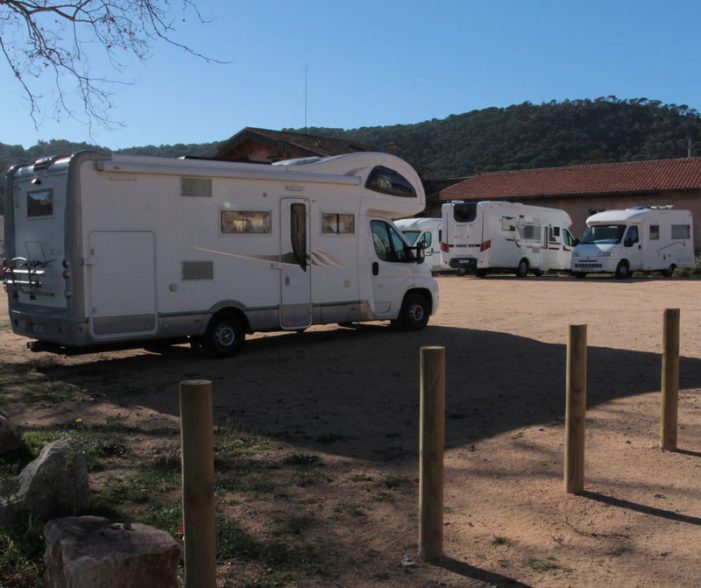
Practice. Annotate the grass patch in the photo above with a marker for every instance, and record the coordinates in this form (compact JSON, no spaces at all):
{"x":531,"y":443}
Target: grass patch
{"x":21,"y":564}
{"x":302,"y":460}
{"x":542,"y":565}
{"x":350,"y":509}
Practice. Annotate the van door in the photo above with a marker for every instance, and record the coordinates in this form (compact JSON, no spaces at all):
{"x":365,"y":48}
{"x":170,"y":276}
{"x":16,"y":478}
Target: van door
{"x":296,"y":269}
{"x":387,"y":268}
{"x":632,"y":247}
{"x":122,"y":278}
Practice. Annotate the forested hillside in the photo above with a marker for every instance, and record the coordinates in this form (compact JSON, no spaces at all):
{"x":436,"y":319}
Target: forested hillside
{"x":520,"y":136}
{"x":546,"y":135}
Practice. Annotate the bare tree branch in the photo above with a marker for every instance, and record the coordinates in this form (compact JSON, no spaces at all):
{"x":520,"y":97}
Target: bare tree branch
{"x":43,"y":37}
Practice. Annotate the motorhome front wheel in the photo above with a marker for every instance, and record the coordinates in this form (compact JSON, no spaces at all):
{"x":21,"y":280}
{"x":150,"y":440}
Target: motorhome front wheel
{"x":414,"y":314}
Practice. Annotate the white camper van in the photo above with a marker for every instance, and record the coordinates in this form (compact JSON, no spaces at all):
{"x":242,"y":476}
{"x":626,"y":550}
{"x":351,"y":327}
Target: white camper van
{"x":428,"y":232}
{"x":111,"y":249}
{"x":636,"y":239}
{"x":479,"y":237}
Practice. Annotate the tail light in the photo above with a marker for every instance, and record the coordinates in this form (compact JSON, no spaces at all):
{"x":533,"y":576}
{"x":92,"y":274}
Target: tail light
{"x":445,"y":248}
{"x":486,"y":245}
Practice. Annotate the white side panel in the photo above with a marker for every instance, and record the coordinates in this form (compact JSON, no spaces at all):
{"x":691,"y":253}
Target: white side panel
{"x":122,"y":283}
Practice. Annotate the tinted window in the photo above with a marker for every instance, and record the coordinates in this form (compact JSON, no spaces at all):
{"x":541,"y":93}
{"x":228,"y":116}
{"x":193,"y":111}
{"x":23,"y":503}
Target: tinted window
{"x":654,"y":232}
{"x":385,"y":180}
{"x":40,"y":203}
{"x":681,"y":231}
{"x":464,"y":212}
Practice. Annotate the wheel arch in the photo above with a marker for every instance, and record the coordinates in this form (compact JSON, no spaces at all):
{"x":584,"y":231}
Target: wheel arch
{"x":228,"y":307}
{"x":425,"y":292}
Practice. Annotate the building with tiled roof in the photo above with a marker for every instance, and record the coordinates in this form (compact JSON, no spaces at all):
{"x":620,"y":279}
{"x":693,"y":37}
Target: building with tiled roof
{"x":266,"y":146}
{"x":584,"y":189}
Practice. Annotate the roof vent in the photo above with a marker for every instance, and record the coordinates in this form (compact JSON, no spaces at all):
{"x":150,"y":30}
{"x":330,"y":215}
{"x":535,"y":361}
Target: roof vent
{"x":44,"y":162}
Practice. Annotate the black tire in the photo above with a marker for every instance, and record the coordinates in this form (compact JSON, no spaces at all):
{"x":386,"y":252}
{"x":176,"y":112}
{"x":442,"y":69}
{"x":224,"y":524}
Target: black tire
{"x":481,"y":273}
{"x":669,"y":272}
{"x":580,"y":275}
{"x":537,"y":273}
{"x":522,"y":269}
{"x":225,"y":335}
{"x":623,"y":270}
{"x":414,"y":313}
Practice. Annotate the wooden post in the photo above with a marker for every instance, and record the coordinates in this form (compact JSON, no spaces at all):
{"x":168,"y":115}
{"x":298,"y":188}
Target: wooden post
{"x":431,"y":444}
{"x":197,"y":437}
{"x":576,"y":408}
{"x":670,"y":380}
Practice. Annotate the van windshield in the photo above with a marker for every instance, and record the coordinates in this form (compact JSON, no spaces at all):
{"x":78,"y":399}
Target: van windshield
{"x":411,"y":236}
{"x":603,"y":234}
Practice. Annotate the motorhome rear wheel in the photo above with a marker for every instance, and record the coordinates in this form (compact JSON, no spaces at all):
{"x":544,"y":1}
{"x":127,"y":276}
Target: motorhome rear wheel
{"x":225,"y":336}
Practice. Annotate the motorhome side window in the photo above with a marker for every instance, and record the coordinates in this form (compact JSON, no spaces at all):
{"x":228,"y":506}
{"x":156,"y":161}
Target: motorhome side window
{"x":337,"y":223}
{"x":40,"y":203}
{"x":554,"y":234}
{"x":389,"y":246}
{"x":387,"y":181}
{"x":654,"y":232}
{"x":507,"y":223}
{"x":196,"y":187}
{"x":681,"y":231}
{"x":465,"y":212}
{"x":530,"y":232}
{"x":245,"y":221}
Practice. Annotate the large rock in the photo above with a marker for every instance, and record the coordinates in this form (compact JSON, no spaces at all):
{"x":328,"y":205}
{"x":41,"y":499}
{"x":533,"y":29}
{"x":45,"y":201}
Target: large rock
{"x":94,"y":552}
{"x":54,"y":484}
{"x":10,"y":439}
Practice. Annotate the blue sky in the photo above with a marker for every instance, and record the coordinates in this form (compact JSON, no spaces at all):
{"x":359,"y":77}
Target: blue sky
{"x":382,"y":62}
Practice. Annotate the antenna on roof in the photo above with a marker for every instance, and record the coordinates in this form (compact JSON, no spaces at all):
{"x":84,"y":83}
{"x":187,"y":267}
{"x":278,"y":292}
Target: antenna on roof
{"x":306,"y":70}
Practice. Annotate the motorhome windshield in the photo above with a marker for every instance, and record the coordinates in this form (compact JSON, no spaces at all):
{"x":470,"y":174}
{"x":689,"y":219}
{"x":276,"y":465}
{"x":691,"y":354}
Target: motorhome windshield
{"x":411,"y":236}
{"x":603,"y":234}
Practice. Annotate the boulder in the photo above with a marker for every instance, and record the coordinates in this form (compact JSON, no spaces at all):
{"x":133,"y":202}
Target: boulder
{"x":55,"y":483}
{"x":88,"y":551}
{"x":10,"y":439}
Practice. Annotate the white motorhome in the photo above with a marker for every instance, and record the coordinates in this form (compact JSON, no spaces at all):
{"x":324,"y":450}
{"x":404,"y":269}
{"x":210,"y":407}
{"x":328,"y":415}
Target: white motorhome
{"x":428,"y":232}
{"x":480,"y":237}
{"x":637,"y":239}
{"x":130,"y":250}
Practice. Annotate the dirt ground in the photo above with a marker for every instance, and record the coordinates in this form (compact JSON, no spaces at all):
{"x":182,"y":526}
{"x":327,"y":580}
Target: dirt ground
{"x":350,"y":396}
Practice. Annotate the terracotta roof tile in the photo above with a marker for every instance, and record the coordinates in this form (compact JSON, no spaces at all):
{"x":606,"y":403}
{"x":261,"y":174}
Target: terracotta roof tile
{"x":609,"y":178}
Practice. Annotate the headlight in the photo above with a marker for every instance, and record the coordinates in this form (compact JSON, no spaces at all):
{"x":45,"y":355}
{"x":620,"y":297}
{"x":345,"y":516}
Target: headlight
{"x":604,"y":254}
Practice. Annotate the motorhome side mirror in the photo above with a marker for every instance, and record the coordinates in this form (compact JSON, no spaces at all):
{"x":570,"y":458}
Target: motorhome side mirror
{"x":575,"y":242}
{"x":420,"y":253}
{"x":628,"y":242}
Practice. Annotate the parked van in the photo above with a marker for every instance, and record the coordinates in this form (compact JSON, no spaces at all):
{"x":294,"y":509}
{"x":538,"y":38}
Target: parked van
{"x":428,"y":232}
{"x":131,"y":250}
{"x":481,"y":237}
{"x":624,"y":241}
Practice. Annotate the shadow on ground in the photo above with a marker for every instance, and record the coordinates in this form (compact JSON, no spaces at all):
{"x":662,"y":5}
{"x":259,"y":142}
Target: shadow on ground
{"x":354,"y":392}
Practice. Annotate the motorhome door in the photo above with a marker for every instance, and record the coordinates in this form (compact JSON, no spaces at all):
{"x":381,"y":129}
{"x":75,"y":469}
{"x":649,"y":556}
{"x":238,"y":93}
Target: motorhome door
{"x":122,"y":268}
{"x":296,"y":269}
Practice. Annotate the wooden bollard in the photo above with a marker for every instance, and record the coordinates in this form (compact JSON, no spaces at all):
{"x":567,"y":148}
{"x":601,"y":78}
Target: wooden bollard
{"x":431,"y":445}
{"x":576,"y":408}
{"x":670,"y":380}
{"x":197,"y":437}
